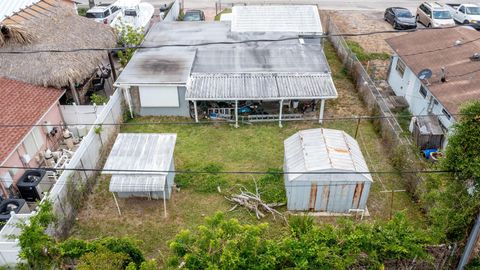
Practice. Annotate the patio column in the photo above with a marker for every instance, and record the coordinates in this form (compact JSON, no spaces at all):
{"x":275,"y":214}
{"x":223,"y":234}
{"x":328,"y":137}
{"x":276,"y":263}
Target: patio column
{"x":280,"y":114}
{"x":196,"y":111}
{"x":236,"y":114}
{"x":164,"y":202}
{"x":74,"y":92}
{"x":322,"y":108}
{"x":126,"y":92}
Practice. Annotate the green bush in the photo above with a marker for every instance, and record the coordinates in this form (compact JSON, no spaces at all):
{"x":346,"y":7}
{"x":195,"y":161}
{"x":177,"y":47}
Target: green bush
{"x":98,"y":99}
{"x":102,"y":259}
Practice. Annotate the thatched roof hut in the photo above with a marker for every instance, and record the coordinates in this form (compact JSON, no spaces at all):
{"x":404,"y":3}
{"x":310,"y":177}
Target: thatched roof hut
{"x":52,"y":27}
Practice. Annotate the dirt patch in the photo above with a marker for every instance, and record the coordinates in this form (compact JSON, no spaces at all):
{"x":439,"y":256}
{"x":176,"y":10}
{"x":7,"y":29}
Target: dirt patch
{"x":361,"y":22}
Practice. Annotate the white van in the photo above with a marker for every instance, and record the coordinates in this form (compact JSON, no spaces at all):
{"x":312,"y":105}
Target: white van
{"x":434,"y":14}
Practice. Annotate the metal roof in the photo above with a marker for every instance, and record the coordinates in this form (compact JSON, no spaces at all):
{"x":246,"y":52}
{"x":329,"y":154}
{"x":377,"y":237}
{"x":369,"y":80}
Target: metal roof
{"x":260,"y":86}
{"x":137,"y":183}
{"x":145,"y":151}
{"x":165,"y":66}
{"x":322,"y":149}
{"x":276,"y":18}
{"x":9,"y":7}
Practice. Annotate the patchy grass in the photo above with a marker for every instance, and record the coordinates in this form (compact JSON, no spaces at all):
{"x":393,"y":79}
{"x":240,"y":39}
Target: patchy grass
{"x":257,"y":147}
{"x":364,"y":56}
{"x":225,"y":11}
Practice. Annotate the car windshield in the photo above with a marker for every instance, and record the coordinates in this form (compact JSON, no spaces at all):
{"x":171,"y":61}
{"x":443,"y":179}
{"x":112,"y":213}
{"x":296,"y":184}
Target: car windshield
{"x":403,"y":13}
{"x":473,"y":10}
{"x":192,"y":17}
{"x":94,"y":15}
{"x":444,"y":14}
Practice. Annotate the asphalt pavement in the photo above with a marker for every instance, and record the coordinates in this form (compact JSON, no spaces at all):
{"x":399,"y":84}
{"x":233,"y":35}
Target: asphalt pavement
{"x":372,"y":5}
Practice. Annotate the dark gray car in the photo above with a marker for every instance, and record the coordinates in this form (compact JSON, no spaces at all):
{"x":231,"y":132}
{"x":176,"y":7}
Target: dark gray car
{"x":194,"y":15}
{"x":400,"y":18}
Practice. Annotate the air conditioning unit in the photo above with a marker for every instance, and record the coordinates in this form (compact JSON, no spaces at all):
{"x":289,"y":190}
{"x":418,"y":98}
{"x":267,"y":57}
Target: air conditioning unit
{"x":34,"y":184}
{"x":18,"y":206}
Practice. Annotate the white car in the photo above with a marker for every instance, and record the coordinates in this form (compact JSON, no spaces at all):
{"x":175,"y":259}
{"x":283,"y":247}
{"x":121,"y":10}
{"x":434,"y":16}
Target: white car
{"x":105,"y":13}
{"x":465,"y":13}
{"x":433,"y":14}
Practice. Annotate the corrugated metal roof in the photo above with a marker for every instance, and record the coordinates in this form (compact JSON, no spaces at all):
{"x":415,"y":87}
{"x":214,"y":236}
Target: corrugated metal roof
{"x":9,"y":7}
{"x":322,"y":149}
{"x":276,"y":18}
{"x":137,"y":183}
{"x":146,"y":151}
{"x":260,"y":86}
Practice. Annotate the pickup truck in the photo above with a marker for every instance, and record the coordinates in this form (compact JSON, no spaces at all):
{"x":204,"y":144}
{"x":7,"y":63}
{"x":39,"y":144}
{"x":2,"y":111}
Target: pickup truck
{"x":465,"y":13}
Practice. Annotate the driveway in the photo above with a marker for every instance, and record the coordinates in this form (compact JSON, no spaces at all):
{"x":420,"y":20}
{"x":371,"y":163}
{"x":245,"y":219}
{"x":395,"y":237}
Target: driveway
{"x":374,"y":5}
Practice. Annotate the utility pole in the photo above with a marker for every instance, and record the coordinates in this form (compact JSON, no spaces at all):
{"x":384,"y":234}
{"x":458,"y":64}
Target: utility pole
{"x":393,"y":191}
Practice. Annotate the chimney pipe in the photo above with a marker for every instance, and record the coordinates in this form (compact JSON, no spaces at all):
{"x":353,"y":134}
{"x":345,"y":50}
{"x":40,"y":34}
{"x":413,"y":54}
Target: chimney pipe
{"x":444,"y":75}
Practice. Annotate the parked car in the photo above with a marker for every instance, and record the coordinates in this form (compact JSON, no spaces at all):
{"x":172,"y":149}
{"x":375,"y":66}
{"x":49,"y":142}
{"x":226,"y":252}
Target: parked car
{"x":194,"y":15}
{"x":105,"y":13}
{"x":465,"y":14}
{"x":400,"y":18}
{"x":433,"y":14}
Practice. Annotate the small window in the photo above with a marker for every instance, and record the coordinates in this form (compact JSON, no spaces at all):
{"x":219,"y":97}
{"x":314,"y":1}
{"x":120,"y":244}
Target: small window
{"x":106,"y":13}
{"x":462,"y":9}
{"x":423,"y":91}
{"x":400,"y":67}
{"x":446,"y":114}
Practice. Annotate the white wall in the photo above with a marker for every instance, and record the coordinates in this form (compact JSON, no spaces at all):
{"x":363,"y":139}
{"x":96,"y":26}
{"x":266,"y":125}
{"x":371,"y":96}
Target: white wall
{"x":409,"y":87}
{"x":159,"y":96}
{"x":80,"y":114}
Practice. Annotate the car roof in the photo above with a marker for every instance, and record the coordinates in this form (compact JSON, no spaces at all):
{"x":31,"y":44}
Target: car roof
{"x":193,"y":11}
{"x":435,"y":5}
{"x":98,"y":9}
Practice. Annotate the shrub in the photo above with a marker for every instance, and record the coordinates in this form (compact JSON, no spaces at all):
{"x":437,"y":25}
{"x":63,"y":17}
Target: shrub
{"x":102,"y":259}
{"x":98,"y":99}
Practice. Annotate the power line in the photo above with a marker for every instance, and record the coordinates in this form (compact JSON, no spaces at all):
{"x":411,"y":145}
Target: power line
{"x":146,"y":172}
{"x":361,"y":117}
{"x":220,"y":43}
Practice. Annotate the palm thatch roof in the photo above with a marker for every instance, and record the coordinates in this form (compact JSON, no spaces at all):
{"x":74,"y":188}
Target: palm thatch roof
{"x":56,"y":27}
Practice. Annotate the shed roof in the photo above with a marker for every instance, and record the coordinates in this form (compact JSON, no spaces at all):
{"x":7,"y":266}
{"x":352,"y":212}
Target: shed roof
{"x":141,"y":151}
{"x":276,"y":18}
{"x":263,"y":86}
{"x":434,"y":49}
{"x":25,"y":104}
{"x":137,"y":183}
{"x":323,"y":150}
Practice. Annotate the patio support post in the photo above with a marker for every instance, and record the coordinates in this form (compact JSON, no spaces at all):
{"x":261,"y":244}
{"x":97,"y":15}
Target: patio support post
{"x":116,"y":203}
{"x":126,"y":92}
{"x":236,"y":114}
{"x":195,"y":110}
{"x":74,"y":92}
{"x":280,"y":114}
{"x":164,"y":201}
{"x":322,"y":108}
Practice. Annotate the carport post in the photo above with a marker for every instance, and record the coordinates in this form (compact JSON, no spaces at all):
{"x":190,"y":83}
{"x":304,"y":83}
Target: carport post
{"x":236,"y":114}
{"x":126,"y":91}
{"x":116,"y":203}
{"x":322,"y":108}
{"x":164,"y":202}
{"x":280,"y":114}
{"x":195,"y":109}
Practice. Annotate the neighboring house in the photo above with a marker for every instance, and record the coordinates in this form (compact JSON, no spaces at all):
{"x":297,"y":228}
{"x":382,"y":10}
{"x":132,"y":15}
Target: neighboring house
{"x":451,"y":49}
{"x":54,"y":25}
{"x":199,"y":80}
{"x":22,"y":146}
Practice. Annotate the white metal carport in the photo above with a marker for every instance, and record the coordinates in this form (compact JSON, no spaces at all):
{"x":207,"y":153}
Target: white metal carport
{"x":142,"y":165}
{"x":260,"y":86}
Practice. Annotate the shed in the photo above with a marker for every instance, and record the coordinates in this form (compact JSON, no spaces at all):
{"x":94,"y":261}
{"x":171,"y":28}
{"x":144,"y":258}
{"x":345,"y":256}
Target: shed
{"x":427,"y":132}
{"x":142,"y":165}
{"x":325,"y":171}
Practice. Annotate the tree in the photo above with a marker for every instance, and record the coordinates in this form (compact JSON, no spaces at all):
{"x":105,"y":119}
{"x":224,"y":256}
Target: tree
{"x":128,"y":37}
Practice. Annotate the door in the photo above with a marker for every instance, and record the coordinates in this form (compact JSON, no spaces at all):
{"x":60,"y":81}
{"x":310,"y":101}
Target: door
{"x":313,"y":197}
{"x":357,"y":195}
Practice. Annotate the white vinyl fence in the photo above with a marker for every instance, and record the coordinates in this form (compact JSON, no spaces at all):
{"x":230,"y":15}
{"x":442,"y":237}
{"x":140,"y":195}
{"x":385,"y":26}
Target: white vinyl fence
{"x":80,"y":115}
{"x":173,"y":13}
{"x":69,"y":190}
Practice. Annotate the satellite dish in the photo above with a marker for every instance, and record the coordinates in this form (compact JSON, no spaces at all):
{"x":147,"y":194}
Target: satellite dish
{"x":425,"y":74}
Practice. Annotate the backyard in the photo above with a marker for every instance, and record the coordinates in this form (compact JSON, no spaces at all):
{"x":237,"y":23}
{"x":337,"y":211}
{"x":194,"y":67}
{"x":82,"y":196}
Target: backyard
{"x":256,"y":147}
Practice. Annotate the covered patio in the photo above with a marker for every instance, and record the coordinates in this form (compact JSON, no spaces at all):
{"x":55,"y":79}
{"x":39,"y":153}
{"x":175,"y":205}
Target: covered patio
{"x":285,"y":88}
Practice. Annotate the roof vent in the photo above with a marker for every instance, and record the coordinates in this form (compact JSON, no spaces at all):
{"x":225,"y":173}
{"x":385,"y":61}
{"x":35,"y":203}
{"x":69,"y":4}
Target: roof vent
{"x":444,"y":75}
{"x":458,"y":42}
{"x":475,"y":57}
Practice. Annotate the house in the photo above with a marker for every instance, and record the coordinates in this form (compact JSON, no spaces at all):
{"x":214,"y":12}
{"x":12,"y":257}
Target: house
{"x":455,"y":80}
{"x":326,"y":172}
{"x":54,"y":25}
{"x":148,"y":157}
{"x":21,"y":146}
{"x":224,"y":68}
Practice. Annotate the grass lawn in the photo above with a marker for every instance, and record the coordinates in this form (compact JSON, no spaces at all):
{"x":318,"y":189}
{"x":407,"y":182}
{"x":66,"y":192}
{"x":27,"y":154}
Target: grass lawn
{"x":256,"y":147}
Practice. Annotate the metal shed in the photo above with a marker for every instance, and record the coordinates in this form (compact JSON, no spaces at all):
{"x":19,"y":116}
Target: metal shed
{"x":142,"y":165}
{"x":333,"y":154}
